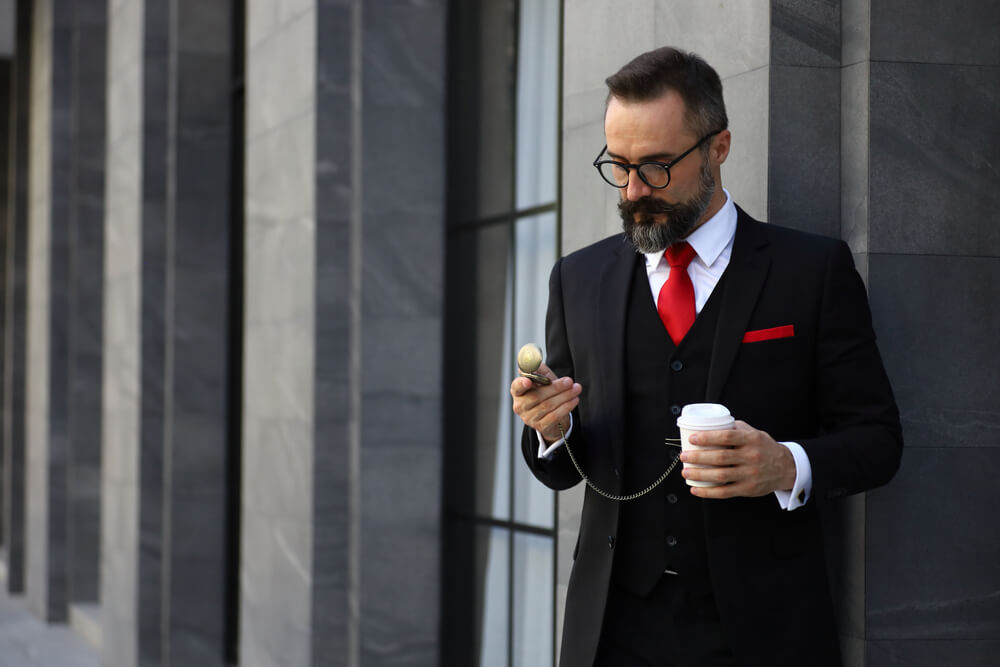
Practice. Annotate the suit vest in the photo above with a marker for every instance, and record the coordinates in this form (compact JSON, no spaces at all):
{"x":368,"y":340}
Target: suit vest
{"x":663,"y":530}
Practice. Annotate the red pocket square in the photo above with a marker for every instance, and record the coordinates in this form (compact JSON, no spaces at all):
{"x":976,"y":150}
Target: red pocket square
{"x":786,"y":331}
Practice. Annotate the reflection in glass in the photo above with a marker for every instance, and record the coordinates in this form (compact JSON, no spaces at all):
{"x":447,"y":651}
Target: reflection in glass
{"x":537,"y":102}
{"x":535,"y":252}
{"x":494,"y":280}
{"x":533,"y":600}
{"x":492,"y":577}
{"x":483,"y":97}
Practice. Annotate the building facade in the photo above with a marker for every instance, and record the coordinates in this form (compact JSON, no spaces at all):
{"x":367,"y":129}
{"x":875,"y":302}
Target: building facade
{"x":266,"y":264}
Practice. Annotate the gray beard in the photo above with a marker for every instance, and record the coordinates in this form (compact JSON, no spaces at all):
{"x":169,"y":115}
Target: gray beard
{"x":648,"y":236}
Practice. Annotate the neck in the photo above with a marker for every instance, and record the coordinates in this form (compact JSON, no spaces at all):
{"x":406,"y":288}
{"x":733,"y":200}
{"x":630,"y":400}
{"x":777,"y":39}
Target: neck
{"x":715,"y":205}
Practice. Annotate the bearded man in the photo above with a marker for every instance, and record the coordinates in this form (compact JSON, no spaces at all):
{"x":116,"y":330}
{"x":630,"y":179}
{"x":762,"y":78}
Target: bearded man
{"x":697,"y":302}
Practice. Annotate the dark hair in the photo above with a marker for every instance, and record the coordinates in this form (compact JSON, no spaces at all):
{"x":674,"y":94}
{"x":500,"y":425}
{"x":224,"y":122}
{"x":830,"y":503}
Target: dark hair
{"x":653,"y":73}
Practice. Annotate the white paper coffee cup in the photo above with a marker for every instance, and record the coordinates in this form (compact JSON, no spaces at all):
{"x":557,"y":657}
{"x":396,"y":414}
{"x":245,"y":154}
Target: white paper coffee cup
{"x":702,"y":417}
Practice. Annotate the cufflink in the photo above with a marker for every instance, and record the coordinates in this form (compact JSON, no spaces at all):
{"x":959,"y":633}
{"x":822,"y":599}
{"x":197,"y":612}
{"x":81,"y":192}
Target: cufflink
{"x":802,"y":496}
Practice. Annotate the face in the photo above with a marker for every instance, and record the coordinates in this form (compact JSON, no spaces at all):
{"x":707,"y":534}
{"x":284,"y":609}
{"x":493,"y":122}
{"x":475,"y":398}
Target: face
{"x":656,"y":130}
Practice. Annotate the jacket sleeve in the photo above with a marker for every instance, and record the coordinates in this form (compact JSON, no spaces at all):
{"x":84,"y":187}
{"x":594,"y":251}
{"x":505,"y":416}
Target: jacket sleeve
{"x":860,"y":441}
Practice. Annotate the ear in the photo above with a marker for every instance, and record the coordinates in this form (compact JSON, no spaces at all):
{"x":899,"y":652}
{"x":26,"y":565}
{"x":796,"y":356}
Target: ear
{"x":719,"y":149}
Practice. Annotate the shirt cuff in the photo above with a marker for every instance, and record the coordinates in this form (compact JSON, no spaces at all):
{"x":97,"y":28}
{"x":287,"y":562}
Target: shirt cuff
{"x":799,"y":495}
{"x":546,"y":451}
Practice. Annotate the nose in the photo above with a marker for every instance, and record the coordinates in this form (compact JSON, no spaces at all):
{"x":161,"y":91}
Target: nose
{"x":636,"y":188}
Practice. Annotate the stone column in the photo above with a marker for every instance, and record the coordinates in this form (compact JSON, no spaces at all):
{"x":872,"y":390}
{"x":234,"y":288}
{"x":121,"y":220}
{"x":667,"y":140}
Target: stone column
{"x":920,"y":95}
{"x":167,"y":332}
{"x":65,"y":285}
{"x":344,"y":251}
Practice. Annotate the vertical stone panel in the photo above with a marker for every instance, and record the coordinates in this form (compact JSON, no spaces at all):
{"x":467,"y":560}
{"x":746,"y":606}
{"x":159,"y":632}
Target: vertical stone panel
{"x":196,"y":333}
{"x":46,"y":325}
{"x":401,"y":309}
{"x":277,"y":572}
{"x":120,"y":419}
{"x":85,"y":297}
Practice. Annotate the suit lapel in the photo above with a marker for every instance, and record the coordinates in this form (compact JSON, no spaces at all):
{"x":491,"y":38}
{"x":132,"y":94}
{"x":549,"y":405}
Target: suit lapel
{"x":612,"y":302}
{"x":747,"y":270}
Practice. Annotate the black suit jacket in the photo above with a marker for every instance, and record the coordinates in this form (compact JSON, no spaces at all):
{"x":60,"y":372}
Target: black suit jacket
{"x":824,"y":387}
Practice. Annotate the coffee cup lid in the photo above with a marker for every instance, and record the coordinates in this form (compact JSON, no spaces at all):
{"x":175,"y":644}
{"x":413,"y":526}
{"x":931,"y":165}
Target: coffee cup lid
{"x":701,"y":415}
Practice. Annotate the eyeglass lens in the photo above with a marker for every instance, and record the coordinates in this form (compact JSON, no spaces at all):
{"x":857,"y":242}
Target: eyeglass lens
{"x":654,"y":175}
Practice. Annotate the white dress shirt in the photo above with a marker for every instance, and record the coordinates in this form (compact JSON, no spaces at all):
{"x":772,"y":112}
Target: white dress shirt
{"x":713,"y":243}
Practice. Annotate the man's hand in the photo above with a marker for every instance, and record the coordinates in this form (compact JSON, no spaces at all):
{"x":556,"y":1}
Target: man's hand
{"x":545,"y":407}
{"x":753,"y":464}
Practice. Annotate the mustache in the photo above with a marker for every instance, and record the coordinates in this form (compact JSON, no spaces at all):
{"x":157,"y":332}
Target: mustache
{"x":646,"y":207}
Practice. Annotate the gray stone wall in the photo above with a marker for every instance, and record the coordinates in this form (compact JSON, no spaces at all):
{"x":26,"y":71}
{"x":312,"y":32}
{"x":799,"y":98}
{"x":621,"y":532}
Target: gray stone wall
{"x":344,"y":246}
{"x":934,"y":277}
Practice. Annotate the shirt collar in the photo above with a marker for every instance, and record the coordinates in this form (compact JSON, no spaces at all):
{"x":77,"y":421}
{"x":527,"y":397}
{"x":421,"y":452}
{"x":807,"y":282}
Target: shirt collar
{"x":710,"y":239}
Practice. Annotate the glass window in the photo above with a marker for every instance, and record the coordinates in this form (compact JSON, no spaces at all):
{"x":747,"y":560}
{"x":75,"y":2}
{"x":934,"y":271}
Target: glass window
{"x":503,"y":230}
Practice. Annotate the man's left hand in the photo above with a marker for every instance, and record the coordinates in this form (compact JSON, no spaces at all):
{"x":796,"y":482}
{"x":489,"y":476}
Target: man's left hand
{"x":752,"y":463}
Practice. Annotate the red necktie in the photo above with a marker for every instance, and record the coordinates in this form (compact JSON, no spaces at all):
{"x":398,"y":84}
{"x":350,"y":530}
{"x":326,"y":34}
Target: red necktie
{"x":676,"y":300}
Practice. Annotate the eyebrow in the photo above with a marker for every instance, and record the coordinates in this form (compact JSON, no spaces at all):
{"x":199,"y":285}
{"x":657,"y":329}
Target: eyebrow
{"x":654,"y":157}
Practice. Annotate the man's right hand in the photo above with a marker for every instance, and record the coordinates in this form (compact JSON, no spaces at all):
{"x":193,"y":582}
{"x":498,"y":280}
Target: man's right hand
{"x":545,"y":407}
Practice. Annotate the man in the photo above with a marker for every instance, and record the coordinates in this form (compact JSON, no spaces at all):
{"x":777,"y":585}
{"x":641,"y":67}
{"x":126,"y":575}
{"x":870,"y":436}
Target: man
{"x":697,"y":302}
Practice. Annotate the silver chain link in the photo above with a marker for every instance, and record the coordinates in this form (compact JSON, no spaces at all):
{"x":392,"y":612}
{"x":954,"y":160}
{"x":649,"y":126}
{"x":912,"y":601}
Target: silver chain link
{"x":610,"y":496}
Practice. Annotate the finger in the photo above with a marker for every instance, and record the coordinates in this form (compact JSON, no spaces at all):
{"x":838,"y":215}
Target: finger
{"x":713,"y":474}
{"x":725,"y":438}
{"x":552,"y":401}
{"x":711,"y":457}
{"x":543,"y":369}
{"x":719,"y":492}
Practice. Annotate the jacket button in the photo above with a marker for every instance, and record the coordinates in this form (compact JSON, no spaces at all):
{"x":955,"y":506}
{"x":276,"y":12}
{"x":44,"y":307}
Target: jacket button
{"x":671,"y":541}
{"x":672,"y":498}
{"x":676,"y":365}
{"x":675,"y":410}
{"x":618,"y":473}
{"x":611,"y":541}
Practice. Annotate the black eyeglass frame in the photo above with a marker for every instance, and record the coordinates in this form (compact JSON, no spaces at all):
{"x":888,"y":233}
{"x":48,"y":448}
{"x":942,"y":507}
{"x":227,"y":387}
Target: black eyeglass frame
{"x":628,"y":167}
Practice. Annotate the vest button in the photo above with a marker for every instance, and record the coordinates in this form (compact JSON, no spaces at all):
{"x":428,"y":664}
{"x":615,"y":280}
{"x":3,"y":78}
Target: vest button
{"x":676,"y":365}
{"x":671,"y":541}
{"x":672,"y":498}
{"x":675,"y":410}
{"x":611,"y":541}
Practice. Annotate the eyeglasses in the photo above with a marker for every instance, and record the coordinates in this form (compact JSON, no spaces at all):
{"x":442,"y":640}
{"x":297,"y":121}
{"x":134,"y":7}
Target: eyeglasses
{"x":654,"y":174}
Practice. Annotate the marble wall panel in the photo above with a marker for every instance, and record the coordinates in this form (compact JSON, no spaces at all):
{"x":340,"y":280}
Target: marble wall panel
{"x":933,"y":156}
{"x":277,"y":568}
{"x":745,"y":171}
{"x":947,"y":394}
{"x":121,"y":412}
{"x":806,"y":33}
{"x":45,"y":583}
{"x":900,"y":652}
{"x":855,"y":91}
{"x":931,"y":32}
{"x":937,"y":507}
{"x":85,"y":269}
{"x":855,"y":30}
{"x":402,"y":246}
{"x":803,"y":162}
